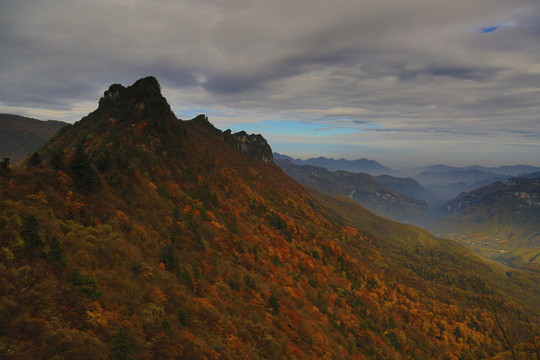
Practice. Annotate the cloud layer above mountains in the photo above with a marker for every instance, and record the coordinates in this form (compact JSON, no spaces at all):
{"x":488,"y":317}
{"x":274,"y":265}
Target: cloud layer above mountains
{"x":433,"y":80}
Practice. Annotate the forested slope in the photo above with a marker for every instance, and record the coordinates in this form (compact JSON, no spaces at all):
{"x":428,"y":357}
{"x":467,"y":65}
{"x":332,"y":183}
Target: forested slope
{"x":133,"y":234}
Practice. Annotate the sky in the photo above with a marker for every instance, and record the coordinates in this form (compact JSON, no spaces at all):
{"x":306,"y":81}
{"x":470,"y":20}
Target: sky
{"x":402,"y":82}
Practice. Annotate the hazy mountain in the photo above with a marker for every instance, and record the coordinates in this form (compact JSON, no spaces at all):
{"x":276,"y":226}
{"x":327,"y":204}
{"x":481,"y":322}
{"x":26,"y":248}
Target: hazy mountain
{"x":530,"y":175}
{"x":139,"y":235}
{"x":410,"y":187}
{"x":20,"y":136}
{"x":361,"y":165}
{"x":362,"y":188}
{"x":451,"y":183}
{"x":499,"y":219}
{"x":511,"y":170}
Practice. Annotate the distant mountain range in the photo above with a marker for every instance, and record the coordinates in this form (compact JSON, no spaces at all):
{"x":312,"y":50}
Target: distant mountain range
{"x":20,"y":136}
{"x":510,"y":170}
{"x":361,"y":165}
{"x":451,"y":183}
{"x":442,"y":181}
{"x":364,"y":189}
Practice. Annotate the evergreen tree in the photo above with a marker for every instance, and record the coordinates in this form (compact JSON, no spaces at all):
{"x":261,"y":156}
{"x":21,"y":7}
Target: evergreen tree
{"x":183,"y":317}
{"x":30,"y":234}
{"x":84,"y":175}
{"x":56,"y":254}
{"x":274,"y":304}
{"x":123,"y":345}
{"x":4,"y":165}
{"x":34,"y":160}
{"x":165,"y":325}
{"x":169,"y":258}
{"x":57,"y":161}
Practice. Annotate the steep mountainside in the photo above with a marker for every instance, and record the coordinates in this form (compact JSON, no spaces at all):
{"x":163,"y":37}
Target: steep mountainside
{"x":501,"y":221}
{"x":362,"y":188}
{"x":132,"y":234}
{"x":20,"y":136}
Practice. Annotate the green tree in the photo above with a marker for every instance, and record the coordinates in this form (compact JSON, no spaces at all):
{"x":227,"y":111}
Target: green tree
{"x":83,"y":173}
{"x":274,"y":304}
{"x":30,"y":234}
{"x":183,"y":317}
{"x":123,"y":345}
{"x":56,"y":254}
{"x":85,"y":283}
{"x":57,"y":160}
{"x":165,"y":325}
{"x":169,"y":258}
{"x":34,"y":160}
{"x":4,"y":166}
{"x":249,"y":281}
{"x":185,"y":279}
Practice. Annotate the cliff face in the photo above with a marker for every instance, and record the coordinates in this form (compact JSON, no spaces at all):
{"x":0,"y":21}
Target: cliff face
{"x":253,"y":146}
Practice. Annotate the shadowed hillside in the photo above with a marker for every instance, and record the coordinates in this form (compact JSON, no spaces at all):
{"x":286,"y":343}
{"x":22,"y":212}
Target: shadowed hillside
{"x":20,"y":136}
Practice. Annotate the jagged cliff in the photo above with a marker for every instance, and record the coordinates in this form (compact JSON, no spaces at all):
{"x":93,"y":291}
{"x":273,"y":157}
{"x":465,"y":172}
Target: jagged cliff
{"x":253,"y":146}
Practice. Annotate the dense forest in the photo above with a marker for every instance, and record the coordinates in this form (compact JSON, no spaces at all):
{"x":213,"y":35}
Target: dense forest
{"x":135,"y":235}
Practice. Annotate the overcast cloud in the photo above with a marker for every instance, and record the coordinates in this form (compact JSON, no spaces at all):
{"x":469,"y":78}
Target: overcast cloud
{"x":398,"y":81}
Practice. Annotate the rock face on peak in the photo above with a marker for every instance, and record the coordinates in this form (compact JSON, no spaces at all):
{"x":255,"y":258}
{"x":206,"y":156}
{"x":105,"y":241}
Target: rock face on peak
{"x":145,"y":88}
{"x":142,"y":98}
{"x":253,"y":146}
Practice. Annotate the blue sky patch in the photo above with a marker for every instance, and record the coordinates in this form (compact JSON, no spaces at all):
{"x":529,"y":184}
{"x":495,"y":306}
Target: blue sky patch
{"x":489,"y":29}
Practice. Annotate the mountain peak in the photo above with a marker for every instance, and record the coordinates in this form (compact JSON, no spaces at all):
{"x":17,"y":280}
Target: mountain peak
{"x":143,"y":88}
{"x":144,"y":96}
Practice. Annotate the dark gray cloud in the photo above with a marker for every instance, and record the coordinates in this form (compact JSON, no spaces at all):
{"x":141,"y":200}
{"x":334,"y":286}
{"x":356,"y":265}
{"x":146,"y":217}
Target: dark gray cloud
{"x":406,"y":77}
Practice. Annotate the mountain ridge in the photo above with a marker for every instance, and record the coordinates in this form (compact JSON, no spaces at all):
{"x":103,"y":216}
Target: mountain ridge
{"x":137,"y":234}
{"x":20,"y":136}
{"x":359,"y":165}
{"x":363,"y":188}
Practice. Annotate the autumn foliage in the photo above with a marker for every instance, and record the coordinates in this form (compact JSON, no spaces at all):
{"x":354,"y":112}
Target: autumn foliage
{"x":179,"y":247}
